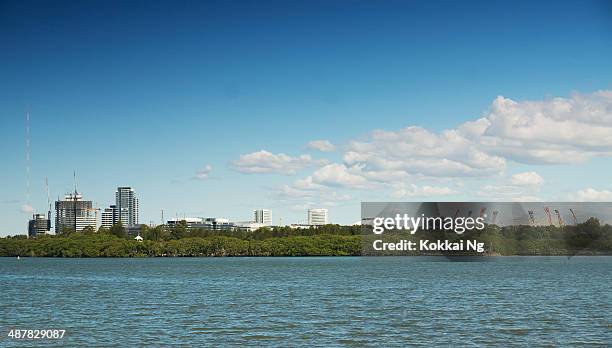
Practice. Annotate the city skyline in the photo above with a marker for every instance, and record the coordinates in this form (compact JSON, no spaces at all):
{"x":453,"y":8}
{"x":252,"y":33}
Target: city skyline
{"x":75,"y":212}
{"x":212,"y":109}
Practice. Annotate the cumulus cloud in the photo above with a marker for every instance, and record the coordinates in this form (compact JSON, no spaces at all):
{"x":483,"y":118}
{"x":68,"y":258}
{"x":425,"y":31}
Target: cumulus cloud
{"x":418,"y":151}
{"x":266,"y":162}
{"x":593,"y":195}
{"x":307,"y":184}
{"x":549,"y":131}
{"x":557,"y":130}
{"x":531,"y":179}
{"x":311,"y":194}
{"x":203,"y":173}
{"x":321,"y":145}
{"x":339,"y":175}
{"x":317,"y":189}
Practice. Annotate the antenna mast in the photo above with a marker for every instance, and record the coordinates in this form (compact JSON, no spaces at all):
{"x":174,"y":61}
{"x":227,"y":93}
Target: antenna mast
{"x":48,"y":195}
{"x":75,"y":181}
{"x":27,"y":160}
{"x":48,"y":204}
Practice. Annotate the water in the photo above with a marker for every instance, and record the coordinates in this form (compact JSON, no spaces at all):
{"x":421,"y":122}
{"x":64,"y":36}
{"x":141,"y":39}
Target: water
{"x":399,"y":301}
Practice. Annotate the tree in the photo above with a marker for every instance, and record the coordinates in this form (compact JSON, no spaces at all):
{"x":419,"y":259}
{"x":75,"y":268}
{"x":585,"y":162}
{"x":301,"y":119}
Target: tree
{"x":88,"y":230}
{"x":118,"y":230}
{"x":66,"y":231}
{"x":180,"y":230}
{"x":156,"y":233}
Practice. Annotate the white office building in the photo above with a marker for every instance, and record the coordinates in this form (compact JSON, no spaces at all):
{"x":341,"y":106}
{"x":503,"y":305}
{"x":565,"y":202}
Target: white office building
{"x":249,"y":226}
{"x":189,"y":221}
{"x":263,"y":216}
{"x":109,"y":216}
{"x":317,"y":216}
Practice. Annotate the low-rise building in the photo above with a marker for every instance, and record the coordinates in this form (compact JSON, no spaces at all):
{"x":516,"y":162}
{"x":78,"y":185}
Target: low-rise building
{"x":190,"y":221}
{"x":210,"y":223}
{"x":249,"y":226}
{"x":223,"y":224}
{"x":299,"y":226}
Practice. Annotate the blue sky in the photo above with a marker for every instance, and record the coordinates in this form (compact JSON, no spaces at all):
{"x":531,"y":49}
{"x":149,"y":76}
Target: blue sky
{"x":147,"y":93}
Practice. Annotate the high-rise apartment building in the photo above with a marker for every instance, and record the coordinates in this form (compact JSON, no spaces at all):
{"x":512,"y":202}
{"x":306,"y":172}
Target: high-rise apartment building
{"x":73,"y":213}
{"x":263,"y":216}
{"x":126,"y":204}
{"x":317,"y":216}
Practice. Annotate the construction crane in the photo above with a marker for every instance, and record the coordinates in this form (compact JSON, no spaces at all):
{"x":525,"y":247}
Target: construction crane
{"x":548,"y":215}
{"x":574,"y":216}
{"x":531,"y":217}
{"x":559,"y":217}
{"x":27,"y":207}
{"x":483,"y":210}
{"x":495,"y":212}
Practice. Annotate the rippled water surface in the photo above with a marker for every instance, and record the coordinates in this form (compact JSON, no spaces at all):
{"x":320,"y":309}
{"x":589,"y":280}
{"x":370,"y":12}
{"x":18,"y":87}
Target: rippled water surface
{"x":402,"y":301}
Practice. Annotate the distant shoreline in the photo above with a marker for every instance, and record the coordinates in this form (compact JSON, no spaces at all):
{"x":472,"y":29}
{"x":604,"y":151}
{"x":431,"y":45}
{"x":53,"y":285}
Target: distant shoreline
{"x":109,"y":246}
{"x":307,"y":256}
{"x":589,"y":238}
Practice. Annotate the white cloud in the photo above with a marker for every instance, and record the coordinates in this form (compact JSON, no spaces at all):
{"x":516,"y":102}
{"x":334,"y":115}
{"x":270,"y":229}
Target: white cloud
{"x":310,"y":191}
{"x":321,"y":145}
{"x":592,"y":195}
{"x":418,"y":151}
{"x":28,"y":209}
{"x":531,"y":179}
{"x":203,"y":173}
{"x":319,"y":195}
{"x":557,"y":130}
{"x":513,"y":193}
{"x":266,"y":162}
{"x":307,"y":184}
{"x":339,"y":175}
{"x":420,"y":191}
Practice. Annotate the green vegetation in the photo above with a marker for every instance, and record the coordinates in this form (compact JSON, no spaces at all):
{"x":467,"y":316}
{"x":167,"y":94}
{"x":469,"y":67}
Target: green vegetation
{"x":589,"y":237}
{"x":331,"y":240}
